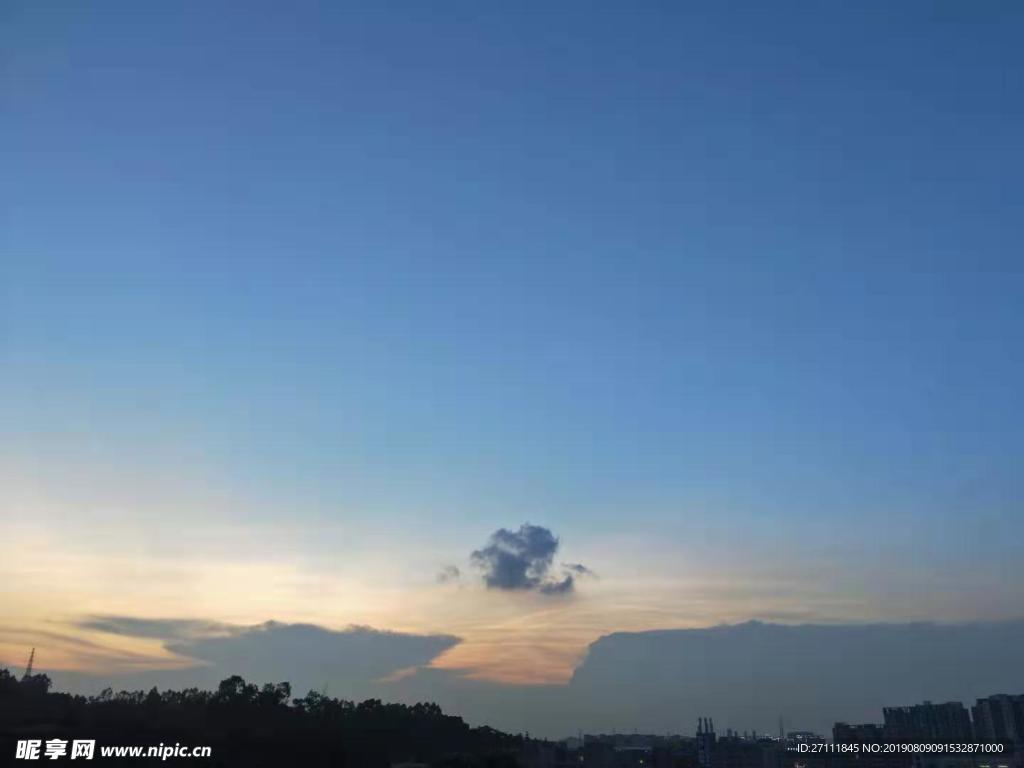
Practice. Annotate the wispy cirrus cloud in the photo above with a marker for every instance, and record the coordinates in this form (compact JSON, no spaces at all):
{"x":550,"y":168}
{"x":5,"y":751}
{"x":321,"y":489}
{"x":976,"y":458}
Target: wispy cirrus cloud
{"x":160,"y":629}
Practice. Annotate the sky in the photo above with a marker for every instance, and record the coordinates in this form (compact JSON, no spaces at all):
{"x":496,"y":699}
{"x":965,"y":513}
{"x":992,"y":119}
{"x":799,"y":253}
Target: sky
{"x":313,"y":312}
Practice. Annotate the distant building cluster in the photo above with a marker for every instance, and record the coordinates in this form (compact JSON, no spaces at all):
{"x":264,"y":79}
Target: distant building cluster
{"x":927,"y":722}
{"x":997,"y":719}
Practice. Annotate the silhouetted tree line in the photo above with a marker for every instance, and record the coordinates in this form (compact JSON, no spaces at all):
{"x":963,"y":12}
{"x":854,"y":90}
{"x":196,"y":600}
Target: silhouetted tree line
{"x":249,"y":725}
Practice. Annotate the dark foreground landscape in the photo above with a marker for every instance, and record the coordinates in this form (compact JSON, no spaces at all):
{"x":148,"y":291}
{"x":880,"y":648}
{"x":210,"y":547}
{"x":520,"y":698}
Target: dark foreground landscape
{"x":246,"y":725}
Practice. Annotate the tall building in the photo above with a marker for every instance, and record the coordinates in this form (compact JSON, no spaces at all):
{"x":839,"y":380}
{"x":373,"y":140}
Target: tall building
{"x":928,"y":723}
{"x":999,"y":718}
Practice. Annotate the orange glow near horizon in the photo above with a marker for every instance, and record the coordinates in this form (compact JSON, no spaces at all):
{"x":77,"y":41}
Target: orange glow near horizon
{"x":242,"y":576}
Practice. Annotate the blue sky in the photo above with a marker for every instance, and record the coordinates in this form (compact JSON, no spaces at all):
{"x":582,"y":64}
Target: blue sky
{"x":707,"y":279}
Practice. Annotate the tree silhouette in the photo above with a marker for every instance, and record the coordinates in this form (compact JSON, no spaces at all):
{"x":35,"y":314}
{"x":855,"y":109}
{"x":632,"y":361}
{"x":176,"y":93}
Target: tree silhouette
{"x":249,"y":725}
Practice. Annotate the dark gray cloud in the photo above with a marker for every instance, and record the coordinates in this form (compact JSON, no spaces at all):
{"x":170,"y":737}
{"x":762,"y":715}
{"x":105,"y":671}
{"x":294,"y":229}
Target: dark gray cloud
{"x":521,"y":560}
{"x":449,"y":574}
{"x":311,"y":654}
{"x":354,"y":661}
{"x":747,"y":675}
